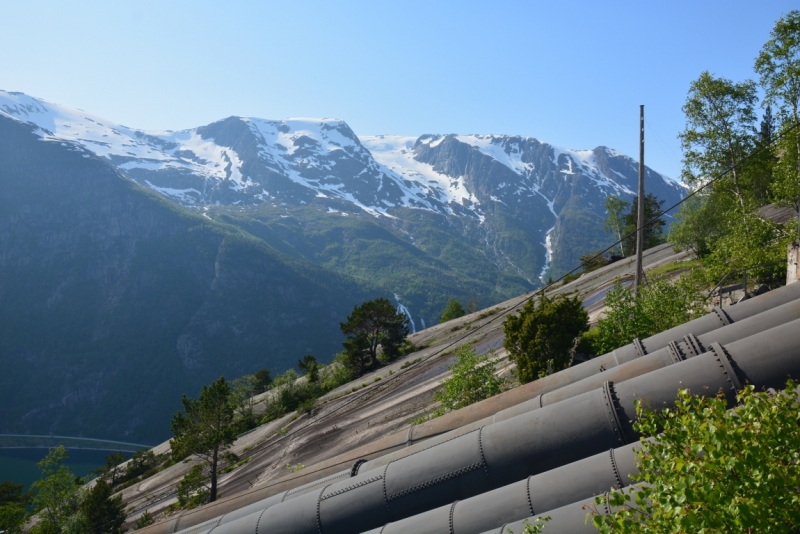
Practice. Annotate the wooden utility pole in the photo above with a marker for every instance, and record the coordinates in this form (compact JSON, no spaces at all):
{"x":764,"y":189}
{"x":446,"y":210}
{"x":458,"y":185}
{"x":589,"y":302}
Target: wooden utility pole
{"x":637,"y":282}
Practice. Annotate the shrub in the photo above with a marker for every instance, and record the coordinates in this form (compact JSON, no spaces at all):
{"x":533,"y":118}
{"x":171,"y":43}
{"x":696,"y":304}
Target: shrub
{"x":145,"y":521}
{"x":541,"y":338}
{"x":709,"y":469}
{"x":473,"y":379}
{"x":191,"y":489}
{"x":661,"y":306}
{"x":452,"y":310}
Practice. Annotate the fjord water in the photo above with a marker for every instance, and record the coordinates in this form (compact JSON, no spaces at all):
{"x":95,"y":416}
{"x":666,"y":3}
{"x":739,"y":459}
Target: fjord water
{"x":18,"y":464}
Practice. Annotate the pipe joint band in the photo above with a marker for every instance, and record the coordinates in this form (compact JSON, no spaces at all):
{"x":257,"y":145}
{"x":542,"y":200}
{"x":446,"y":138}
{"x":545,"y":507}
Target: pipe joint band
{"x":452,"y":512}
{"x":675,"y":353}
{"x":357,"y":466}
{"x":637,"y":344}
{"x":722,"y":316}
{"x":724,"y":359}
{"x":528,"y":491}
{"x":350,"y":487}
{"x":617,"y":475}
{"x":693,"y":345}
{"x":610,"y":400}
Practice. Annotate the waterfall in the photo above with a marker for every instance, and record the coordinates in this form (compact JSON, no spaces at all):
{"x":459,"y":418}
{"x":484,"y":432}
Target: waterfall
{"x":402,"y":309}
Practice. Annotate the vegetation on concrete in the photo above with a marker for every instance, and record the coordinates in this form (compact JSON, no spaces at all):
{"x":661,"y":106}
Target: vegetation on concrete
{"x":371,"y":326}
{"x":452,"y":310}
{"x":192,"y":489}
{"x":473,"y":378}
{"x":541,"y":339}
{"x":709,"y":469}
{"x":145,"y":520}
{"x":661,"y":305}
{"x":205,"y":428}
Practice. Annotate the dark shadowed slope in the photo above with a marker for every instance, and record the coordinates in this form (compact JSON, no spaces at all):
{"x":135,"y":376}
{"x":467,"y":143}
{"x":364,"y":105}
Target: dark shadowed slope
{"x":114,"y":301}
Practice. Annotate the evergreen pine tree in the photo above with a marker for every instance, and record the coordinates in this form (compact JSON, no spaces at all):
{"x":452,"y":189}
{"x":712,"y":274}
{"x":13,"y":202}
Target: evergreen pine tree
{"x":104,"y":513}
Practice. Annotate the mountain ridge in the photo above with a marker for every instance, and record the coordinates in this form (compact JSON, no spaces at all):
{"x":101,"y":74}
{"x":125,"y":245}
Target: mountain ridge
{"x":524,"y":185}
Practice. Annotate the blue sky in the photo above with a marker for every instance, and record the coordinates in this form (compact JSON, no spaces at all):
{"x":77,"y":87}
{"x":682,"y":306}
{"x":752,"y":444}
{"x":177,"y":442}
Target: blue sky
{"x":569,"y":73}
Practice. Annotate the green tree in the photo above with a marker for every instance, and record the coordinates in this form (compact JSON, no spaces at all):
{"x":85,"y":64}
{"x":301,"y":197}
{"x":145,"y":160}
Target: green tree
{"x":542,"y":337}
{"x":141,"y":463}
{"x":697,"y":226}
{"x":112,"y":469}
{"x":660,"y":306}
{"x":472,"y":379}
{"x":452,"y":310}
{"x":12,"y":518}
{"x":191,"y":489}
{"x":375,"y":323}
{"x":263,"y":380}
{"x":58,"y":496}
{"x":749,"y":241}
{"x":721,"y":142}
{"x":713,"y":470}
{"x":206,"y":429}
{"x":615,"y":221}
{"x":103,"y":512}
{"x":13,"y":503}
{"x":310,"y":367}
{"x":653,"y":233}
{"x":720,"y":133}
{"x":243,"y":389}
{"x":778,"y":66}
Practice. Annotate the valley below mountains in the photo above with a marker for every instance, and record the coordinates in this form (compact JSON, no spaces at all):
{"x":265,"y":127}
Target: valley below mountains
{"x":137,"y":265}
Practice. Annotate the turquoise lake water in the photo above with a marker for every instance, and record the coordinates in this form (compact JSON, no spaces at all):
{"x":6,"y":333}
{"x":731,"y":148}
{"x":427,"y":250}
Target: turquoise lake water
{"x":19,"y":465}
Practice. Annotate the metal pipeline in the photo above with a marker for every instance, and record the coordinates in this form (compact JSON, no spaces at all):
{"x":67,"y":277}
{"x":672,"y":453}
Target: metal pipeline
{"x":508,"y":451}
{"x":471,"y":417}
{"x":506,"y":509}
{"x":568,"y":519}
{"x":530,"y":497}
{"x":407,"y":442}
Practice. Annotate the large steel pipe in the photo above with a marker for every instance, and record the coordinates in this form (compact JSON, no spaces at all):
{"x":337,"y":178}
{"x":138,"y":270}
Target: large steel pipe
{"x":505,"y":405}
{"x":674,"y":352}
{"x":508,"y":451}
{"x":568,"y":519}
{"x":536,"y":494}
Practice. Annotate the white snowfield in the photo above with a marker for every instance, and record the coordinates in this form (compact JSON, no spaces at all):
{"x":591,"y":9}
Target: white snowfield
{"x":307,"y":151}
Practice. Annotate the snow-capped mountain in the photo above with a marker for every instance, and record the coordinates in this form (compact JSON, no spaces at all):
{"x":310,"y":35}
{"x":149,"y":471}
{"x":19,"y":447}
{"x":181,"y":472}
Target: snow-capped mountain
{"x":523,"y":202}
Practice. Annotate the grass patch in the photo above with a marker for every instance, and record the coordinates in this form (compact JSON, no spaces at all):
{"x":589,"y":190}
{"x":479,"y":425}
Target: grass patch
{"x":234,"y":466}
{"x":489,"y":313}
{"x":672,"y":267}
{"x":410,"y":363}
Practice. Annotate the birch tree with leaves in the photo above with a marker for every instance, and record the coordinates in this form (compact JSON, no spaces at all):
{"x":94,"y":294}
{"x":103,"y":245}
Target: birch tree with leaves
{"x":778,"y":66}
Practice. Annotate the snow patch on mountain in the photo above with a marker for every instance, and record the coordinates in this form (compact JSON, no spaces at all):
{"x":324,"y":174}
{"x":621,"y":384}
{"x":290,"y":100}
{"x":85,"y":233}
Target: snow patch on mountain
{"x":129,"y":148}
{"x":419,"y":180}
{"x":499,"y":149}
